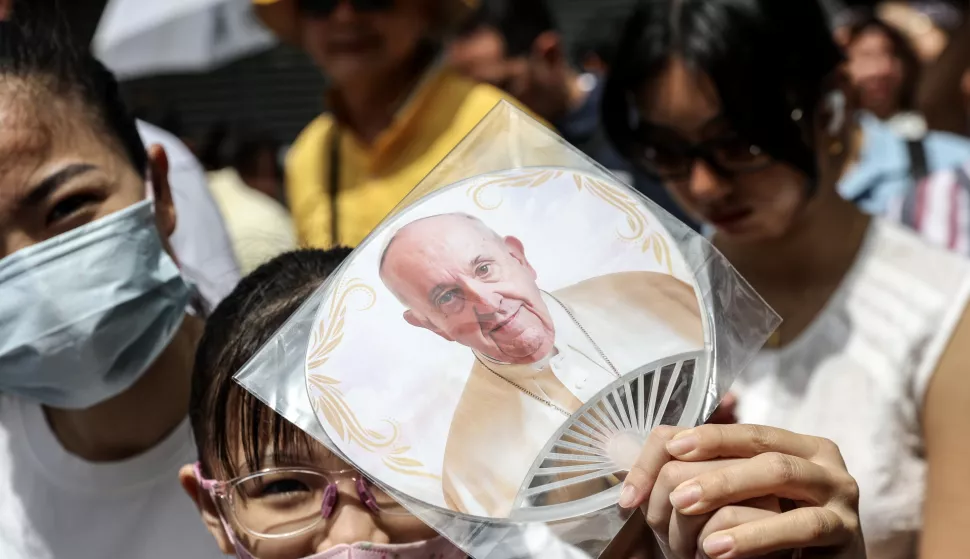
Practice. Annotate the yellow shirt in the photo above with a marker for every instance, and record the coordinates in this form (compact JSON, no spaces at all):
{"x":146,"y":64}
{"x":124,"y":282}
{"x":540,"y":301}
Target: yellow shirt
{"x":375,"y":178}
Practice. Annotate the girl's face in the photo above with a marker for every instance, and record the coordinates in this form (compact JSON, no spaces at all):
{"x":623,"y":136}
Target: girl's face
{"x":277,"y":514}
{"x":713,"y":173}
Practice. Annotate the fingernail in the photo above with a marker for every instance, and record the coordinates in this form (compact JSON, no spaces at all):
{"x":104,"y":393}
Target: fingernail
{"x":685,"y":496}
{"x":718,"y":546}
{"x":628,"y":496}
{"x":681,"y":445}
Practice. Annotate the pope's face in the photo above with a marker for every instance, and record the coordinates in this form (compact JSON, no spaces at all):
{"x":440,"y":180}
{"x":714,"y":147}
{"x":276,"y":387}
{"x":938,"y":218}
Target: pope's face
{"x":468,"y":285}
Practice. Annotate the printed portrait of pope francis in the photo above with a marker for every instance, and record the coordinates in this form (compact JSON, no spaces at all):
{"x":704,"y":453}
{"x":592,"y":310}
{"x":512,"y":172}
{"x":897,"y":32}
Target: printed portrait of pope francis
{"x":538,"y":355}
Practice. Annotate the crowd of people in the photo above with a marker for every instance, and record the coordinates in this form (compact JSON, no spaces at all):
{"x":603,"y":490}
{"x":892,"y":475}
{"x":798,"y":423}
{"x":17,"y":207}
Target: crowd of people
{"x":137,"y":281}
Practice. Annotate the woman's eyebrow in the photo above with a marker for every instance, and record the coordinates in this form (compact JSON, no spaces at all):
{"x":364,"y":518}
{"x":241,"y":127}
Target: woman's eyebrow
{"x":42,"y":190}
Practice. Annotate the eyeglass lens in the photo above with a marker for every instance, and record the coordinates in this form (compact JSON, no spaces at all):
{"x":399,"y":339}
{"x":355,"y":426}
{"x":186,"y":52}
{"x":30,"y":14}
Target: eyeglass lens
{"x":278,"y":503}
{"x":670,"y":156}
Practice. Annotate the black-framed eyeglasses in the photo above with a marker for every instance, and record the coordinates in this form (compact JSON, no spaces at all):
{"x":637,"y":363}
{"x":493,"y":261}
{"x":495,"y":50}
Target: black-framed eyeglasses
{"x":672,"y":158}
{"x":324,"y":8}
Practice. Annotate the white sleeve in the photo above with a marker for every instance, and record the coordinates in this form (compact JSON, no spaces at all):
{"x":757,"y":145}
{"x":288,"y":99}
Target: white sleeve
{"x":200,"y":241}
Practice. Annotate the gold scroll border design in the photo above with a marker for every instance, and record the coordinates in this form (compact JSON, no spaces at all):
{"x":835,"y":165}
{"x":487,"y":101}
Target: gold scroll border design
{"x":637,"y":220}
{"x":327,"y":398}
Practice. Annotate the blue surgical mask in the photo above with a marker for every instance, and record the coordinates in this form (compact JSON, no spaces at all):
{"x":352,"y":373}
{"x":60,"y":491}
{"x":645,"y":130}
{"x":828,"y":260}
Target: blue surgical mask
{"x":85,"y":314}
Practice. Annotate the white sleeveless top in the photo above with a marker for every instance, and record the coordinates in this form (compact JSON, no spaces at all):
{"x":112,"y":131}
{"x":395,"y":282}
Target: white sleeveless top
{"x":859,"y":373}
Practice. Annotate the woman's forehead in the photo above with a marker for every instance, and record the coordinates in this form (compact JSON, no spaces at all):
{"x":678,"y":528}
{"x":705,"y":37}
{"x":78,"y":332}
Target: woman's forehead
{"x":31,"y":135}
{"x":680,"y":98}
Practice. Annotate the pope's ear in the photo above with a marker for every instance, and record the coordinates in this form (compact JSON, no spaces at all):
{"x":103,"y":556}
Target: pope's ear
{"x":517,"y":250}
{"x":413,"y":319}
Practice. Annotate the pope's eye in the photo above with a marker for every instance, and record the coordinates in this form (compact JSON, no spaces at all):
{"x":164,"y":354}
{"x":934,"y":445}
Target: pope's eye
{"x":450,"y":302}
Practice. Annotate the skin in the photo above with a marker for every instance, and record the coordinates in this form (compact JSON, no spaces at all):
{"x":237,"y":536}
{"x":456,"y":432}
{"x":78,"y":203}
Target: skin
{"x":47,"y":140}
{"x":542,"y":79}
{"x":795,"y":251}
{"x":943,"y":94}
{"x":715,"y":490}
{"x":876,"y":73}
{"x":928,"y":39}
{"x":470,"y":286}
{"x":350,"y":522}
{"x":371,"y":58}
{"x":762,"y":461}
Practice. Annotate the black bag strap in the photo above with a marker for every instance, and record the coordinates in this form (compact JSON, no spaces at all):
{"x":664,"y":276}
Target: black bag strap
{"x":333,"y":182}
{"x":918,"y":169}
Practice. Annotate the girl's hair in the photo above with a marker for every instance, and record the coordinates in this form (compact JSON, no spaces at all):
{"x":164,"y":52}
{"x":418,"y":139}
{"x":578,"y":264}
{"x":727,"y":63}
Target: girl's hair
{"x":902,"y":49}
{"x":37,"y":52}
{"x":223,"y":414}
{"x":766,"y":58}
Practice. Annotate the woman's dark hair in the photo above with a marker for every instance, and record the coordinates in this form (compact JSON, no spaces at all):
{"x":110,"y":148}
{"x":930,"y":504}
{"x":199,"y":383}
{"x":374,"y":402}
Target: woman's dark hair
{"x":37,"y":50}
{"x":221,"y":411}
{"x":518,"y":22}
{"x":245,"y":157}
{"x":766,"y":59}
{"x":902,"y":49}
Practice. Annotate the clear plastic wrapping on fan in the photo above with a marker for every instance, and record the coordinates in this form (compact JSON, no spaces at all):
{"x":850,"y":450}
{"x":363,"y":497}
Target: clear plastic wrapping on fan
{"x":496,"y":352}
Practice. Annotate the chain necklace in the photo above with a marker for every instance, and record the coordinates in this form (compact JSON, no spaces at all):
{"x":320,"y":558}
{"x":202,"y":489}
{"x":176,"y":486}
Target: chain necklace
{"x":536,"y":397}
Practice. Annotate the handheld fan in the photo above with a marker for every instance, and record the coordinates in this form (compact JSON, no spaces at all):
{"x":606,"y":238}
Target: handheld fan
{"x":500,"y":349}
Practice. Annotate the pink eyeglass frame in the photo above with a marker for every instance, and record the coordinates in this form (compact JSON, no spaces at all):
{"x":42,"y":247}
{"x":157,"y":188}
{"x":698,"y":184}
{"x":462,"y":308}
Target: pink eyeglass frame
{"x":220,"y":490}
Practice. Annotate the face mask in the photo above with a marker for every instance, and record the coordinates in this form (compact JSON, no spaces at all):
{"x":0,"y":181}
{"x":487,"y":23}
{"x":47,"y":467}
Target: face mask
{"x":83,"y":315}
{"x":437,"y":548}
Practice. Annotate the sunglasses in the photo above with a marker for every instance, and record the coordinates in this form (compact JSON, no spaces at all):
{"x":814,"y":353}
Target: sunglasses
{"x":672,"y":158}
{"x":324,"y":8}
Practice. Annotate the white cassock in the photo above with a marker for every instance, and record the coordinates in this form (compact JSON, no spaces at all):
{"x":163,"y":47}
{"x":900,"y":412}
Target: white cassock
{"x":498,"y":430}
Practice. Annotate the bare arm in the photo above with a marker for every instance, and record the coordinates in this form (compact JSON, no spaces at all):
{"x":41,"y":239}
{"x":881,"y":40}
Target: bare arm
{"x":946,"y":515}
{"x":939,"y":96}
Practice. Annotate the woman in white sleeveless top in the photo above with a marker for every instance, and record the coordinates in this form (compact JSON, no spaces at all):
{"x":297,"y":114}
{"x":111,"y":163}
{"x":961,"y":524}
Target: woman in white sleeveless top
{"x":740,"y":106}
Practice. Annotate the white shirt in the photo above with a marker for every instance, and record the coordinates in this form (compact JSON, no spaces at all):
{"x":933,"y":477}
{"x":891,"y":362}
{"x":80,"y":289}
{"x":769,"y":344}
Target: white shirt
{"x":200,"y":240}
{"x":859,"y":373}
{"x":578,"y":364}
{"x":54,"y":505}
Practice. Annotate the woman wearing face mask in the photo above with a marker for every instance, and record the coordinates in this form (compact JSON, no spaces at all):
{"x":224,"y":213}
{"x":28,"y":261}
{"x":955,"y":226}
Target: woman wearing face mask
{"x":394,"y":111}
{"x":95,"y":342}
{"x":265,"y":489}
{"x":739,"y":105}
